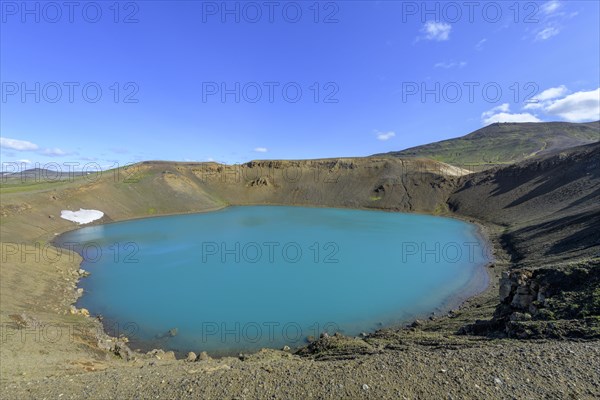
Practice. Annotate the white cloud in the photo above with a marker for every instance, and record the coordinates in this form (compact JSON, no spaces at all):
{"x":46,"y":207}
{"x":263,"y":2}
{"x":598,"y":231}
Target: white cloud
{"x":385,"y":135}
{"x":577,"y":107}
{"x":583,"y":106}
{"x":24,"y":161}
{"x":502,"y":113}
{"x":19,"y":145}
{"x":439,"y":31}
{"x":552,"y":19}
{"x":452,"y":64}
{"x":261,"y":149}
{"x":505,"y":107}
{"x":550,"y":7}
{"x":54,"y":152}
{"x":508,"y":117}
{"x":23,"y":145}
{"x":479,"y":45}
{"x":545,"y":98}
{"x":547,"y":33}
{"x":552,"y":93}
{"x":533,"y":105}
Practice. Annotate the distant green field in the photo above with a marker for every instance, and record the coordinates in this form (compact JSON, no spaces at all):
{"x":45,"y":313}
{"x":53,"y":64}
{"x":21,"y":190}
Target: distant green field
{"x":15,"y":185}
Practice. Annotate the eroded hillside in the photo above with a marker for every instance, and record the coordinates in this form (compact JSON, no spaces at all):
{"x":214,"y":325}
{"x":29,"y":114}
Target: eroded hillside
{"x":32,"y":210}
{"x":550,"y":205}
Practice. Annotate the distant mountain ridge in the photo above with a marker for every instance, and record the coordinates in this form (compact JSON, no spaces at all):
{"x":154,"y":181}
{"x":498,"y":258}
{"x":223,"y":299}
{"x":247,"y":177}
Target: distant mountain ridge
{"x":505,"y":143}
{"x":39,"y":174}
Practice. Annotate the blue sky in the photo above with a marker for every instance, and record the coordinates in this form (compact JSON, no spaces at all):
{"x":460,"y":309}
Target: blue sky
{"x":105,"y":84}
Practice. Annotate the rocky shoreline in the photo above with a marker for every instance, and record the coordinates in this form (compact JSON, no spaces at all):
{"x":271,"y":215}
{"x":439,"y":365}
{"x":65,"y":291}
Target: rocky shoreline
{"x":483,"y":349}
{"x":478,"y":284}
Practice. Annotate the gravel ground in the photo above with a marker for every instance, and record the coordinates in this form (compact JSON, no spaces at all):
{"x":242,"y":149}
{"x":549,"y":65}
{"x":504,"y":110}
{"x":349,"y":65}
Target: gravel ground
{"x":503,"y":369}
{"x":427,"y":362}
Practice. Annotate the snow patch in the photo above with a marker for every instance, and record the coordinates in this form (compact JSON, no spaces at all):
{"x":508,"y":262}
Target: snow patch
{"x":82,"y":216}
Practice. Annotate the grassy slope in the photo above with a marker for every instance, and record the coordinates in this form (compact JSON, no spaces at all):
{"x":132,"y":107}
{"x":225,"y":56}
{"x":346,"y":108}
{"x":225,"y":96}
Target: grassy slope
{"x":505,"y":143}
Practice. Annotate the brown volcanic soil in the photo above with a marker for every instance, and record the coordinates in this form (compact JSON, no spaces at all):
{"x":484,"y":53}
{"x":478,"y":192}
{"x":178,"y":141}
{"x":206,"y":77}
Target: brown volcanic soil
{"x":544,"y":214}
{"x":550,"y":205}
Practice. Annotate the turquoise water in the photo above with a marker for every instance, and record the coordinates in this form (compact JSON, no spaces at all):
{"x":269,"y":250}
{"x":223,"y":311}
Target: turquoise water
{"x":266,"y":276}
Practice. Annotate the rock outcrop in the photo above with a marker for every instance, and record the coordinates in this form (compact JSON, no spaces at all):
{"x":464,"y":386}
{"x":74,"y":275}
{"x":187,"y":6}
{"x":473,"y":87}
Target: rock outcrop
{"x":259,"y":182}
{"x":518,"y":290}
{"x":555,"y":301}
